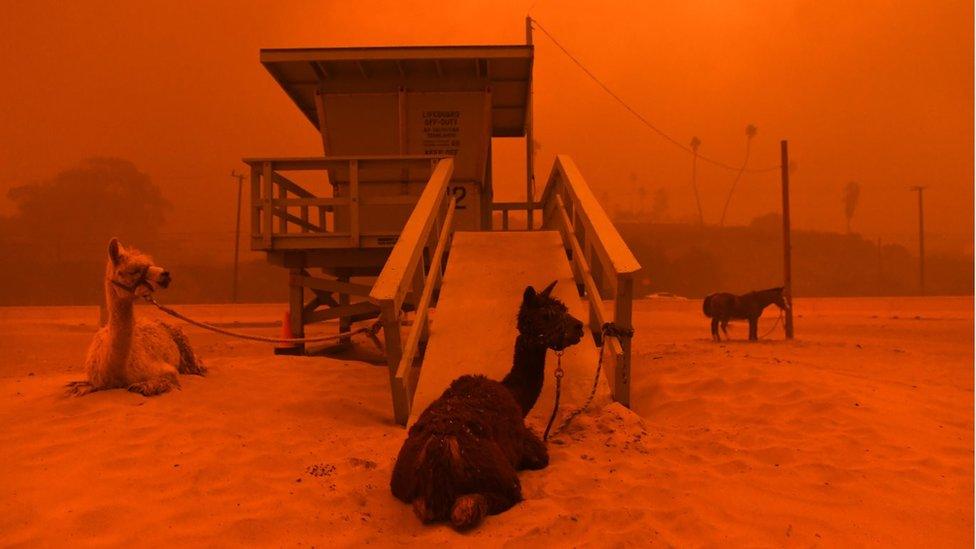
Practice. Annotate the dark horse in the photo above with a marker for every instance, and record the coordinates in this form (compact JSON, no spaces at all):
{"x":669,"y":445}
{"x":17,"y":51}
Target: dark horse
{"x":460,"y":458}
{"x":723,"y":307}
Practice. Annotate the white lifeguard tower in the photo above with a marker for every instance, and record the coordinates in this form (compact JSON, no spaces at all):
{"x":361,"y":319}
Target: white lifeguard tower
{"x":366,"y":228}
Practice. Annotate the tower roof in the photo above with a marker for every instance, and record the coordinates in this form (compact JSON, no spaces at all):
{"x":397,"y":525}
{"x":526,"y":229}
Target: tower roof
{"x":505,"y":70}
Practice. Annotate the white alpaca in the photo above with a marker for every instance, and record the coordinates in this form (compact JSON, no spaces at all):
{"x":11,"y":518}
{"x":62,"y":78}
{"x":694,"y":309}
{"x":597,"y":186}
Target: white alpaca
{"x":143,"y":356}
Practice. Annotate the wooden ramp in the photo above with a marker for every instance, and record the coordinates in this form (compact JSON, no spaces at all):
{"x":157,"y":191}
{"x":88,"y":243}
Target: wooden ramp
{"x":473,"y":329}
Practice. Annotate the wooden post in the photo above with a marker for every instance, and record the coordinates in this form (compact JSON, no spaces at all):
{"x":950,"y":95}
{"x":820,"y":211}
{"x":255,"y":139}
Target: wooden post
{"x":419,"y":279}
{"x":237,"y":234}
{"x":787,"y":250}
{"x":402,"y":120}
{"x":345,"y":323}
{"x":486,"y":195}
{"x":390,"y":318}
{"x":323,"y":124}
{"x":622,"y":314}
{"x":529,"y":150}
{"x":402,"y":137}
{"x":296,"y":308}
{"x":283,"y":219}
{"x":921,"y":242}
{"x":266,"y":225}
{"x":354,"y":203}
{"x":255,"y":203}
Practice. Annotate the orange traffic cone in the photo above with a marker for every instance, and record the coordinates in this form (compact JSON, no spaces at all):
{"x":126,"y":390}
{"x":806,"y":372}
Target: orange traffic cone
{"x":287,"y":348}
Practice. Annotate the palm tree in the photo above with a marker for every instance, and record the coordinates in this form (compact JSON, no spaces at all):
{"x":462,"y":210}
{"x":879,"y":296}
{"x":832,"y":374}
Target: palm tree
{"x":695,"y":143}
{"x":751,"y":132}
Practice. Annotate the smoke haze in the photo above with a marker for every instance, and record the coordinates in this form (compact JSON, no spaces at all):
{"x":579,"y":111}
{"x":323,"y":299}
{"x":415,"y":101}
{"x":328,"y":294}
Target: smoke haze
{"x":872,"y":92}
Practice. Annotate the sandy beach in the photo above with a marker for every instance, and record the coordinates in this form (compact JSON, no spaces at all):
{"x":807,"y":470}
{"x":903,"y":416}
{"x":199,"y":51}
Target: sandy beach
{"x":859,"y":432}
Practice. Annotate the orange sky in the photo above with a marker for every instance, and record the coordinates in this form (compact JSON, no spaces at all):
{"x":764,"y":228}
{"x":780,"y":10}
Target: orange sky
{"x":882,"y":96}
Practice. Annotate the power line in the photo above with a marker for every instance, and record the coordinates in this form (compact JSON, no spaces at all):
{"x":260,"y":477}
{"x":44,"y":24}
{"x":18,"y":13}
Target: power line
{"x":638,"y":115}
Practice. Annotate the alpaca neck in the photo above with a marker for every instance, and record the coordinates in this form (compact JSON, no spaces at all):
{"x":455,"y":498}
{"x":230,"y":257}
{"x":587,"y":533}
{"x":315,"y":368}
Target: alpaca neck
{"x":120,"y":326}
{"x":528,"y":373}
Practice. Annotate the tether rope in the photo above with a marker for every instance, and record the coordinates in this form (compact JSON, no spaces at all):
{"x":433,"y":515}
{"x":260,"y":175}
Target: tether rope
{"x":609,"y":329}
{"x":775,"y":324}
{"x":370,"y":330}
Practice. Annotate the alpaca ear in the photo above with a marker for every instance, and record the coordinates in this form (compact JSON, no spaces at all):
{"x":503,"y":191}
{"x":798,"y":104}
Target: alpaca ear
{"x":529,"y":295}
{"x":548,"y":290}
{"x":115,"y":251}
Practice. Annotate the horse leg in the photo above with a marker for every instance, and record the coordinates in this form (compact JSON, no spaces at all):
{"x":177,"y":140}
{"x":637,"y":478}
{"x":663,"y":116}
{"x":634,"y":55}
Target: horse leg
{"x":753,"y":328}
{"x":715,"y":330}
{"x":725,"y":329}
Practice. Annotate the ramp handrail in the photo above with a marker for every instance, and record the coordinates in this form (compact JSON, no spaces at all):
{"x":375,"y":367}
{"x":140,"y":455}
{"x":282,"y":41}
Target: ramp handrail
{"x":603,"y":265}
{"x":404,"y":272}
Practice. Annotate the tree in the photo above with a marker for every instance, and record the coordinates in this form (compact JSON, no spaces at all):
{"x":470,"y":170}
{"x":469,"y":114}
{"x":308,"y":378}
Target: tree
{"x":98,"y":199}
{"x":659,"y":206}
{"x":751,"y":131}
{"x":637,"y":210}
{"x":852,"y":192}
{"x":641,"y":199}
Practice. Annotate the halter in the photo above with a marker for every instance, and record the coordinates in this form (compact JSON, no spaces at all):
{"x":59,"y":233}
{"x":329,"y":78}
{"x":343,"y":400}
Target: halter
{"x":544,"y":337}
{"x":141,"y":281}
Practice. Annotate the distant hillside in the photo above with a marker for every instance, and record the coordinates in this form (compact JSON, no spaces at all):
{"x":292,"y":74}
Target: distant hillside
{"x":694,"y":261}
{"x":677,"y":258}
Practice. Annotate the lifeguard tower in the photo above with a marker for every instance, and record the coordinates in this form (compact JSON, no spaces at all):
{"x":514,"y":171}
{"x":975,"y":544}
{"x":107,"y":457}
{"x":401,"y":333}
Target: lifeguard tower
{"x":406,"y":180}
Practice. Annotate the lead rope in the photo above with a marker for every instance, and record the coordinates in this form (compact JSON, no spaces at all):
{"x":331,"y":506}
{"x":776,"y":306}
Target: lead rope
{"x":775,"y":324}
{"x":559,"y":383}
{"x":370,"y":331}
{"x":609,"y":329}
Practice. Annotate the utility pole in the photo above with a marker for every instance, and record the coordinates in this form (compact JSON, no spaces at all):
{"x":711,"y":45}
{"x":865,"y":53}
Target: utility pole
{"x":529,"y":149}
{"x":787,"y":250}
{"x":921,"y":241}
{"x":237,"y":232}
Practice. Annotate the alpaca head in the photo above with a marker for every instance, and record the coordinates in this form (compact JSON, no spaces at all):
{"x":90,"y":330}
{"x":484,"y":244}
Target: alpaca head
{"x":545,"y":320}
{"x":132,"y":273}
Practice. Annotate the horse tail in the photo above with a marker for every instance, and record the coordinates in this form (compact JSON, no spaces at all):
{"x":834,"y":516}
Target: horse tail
{"x":707,"y":305}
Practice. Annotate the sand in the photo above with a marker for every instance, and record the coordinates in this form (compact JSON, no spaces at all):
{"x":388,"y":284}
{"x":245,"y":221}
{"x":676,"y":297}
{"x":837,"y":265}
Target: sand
{"x":860,"y":432}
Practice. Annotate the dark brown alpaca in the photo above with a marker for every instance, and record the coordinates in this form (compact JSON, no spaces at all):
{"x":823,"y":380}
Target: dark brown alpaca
{"x":460,"y":459}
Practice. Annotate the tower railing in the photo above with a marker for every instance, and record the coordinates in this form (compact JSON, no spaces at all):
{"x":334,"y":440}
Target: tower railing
{"x":288,"y":215}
